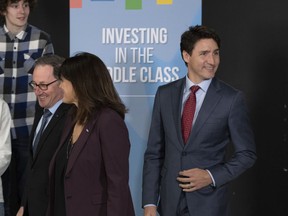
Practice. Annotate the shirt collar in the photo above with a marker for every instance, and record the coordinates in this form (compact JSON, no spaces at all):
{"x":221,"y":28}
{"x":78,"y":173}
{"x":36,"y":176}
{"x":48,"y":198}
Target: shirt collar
{"x":204,"y":85}
{"x":20,"y":35}
{"x":55,"y":107}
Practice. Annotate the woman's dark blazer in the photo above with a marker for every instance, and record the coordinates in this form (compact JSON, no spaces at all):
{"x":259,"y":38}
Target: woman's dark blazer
{"x":97,"y":174}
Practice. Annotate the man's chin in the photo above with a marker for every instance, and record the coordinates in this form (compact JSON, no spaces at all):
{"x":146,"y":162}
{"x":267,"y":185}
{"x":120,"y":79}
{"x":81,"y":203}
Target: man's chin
{"x":43,"y":105}
{"x":209,"y":77}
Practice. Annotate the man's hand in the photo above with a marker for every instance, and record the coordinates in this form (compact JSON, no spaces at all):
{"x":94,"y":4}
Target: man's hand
{"x":193,"y":179}
{"x":20,"y":211}
{"x":150,"y":211}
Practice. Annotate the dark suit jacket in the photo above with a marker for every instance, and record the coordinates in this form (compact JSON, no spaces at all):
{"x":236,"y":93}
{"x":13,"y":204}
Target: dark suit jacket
{"x":222,"y":119}
{"x":35,"y":198}
{"x":97,"y":173}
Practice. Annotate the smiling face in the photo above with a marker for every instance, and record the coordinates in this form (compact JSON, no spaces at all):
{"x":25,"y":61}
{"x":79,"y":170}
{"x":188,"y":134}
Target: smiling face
{"x":16,"y":16}
{"x":204,"y":60}
{"x":47,"y":98}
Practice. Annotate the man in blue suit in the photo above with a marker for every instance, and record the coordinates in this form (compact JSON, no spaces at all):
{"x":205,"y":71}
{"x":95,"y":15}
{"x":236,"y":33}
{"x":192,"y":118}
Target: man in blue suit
{"x":189,"y":178}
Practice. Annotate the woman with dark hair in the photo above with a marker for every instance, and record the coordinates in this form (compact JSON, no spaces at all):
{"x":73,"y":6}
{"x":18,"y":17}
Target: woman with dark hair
{"x":89,"y":173}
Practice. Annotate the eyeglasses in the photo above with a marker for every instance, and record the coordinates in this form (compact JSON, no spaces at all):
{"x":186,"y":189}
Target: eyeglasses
{"x":42,"y":86}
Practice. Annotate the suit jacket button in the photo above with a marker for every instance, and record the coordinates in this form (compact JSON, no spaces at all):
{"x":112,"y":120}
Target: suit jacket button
{"x":184,"y":153}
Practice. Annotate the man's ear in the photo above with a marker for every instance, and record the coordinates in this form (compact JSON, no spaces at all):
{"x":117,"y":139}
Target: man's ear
{"x":186,"y":56}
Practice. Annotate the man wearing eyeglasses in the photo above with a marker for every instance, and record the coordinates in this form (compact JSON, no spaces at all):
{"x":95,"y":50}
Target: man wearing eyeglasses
{"x":45,"y":84}
{"x":20,"y":45}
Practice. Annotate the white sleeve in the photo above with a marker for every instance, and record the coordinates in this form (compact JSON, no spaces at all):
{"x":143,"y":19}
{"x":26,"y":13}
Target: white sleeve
{"x":5,"y":138}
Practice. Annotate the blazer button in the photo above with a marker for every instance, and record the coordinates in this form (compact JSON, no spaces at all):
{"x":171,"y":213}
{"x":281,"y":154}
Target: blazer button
{"x":184,"y":153}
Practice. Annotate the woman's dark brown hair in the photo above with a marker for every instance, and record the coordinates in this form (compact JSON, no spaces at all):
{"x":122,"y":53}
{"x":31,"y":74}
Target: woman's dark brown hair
{"x":92,"y":84}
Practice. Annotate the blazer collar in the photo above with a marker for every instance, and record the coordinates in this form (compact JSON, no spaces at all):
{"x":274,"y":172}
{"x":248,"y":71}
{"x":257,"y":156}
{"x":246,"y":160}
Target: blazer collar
{"x":82,"y":140}
{"x":61,"y":110}
{"x":210,"y":101}
{"x":176,"y":103}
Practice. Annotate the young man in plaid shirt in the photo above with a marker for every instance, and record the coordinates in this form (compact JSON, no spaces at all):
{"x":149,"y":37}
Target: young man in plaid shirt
{"x":20,"y":45}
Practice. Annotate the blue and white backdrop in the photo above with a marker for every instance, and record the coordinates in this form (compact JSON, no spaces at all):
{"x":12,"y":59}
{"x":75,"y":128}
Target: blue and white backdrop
{"x":139,"y":42}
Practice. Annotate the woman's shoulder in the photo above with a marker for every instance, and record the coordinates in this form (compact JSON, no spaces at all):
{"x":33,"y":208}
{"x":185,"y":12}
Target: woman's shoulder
{"x":107,"y":112}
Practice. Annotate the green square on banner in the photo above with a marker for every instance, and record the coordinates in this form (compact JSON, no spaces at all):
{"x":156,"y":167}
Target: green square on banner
{"x":133,"y":4}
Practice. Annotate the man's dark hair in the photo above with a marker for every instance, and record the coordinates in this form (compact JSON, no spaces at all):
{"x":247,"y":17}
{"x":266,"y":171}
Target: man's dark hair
{"x":54,"y":61}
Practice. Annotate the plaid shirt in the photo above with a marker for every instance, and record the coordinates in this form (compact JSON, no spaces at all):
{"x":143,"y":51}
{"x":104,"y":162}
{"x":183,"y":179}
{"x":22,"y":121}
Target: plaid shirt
{"x":17,"y":56}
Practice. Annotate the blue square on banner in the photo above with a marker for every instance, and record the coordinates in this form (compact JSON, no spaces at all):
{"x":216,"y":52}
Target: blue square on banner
{"x":102,"y":0}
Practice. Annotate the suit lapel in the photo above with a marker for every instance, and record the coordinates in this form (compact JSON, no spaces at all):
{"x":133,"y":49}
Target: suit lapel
{"x":176,"y":103}
{"x":210,"y":101}
{"x":82,"y":141}
{"x":55,"y":119}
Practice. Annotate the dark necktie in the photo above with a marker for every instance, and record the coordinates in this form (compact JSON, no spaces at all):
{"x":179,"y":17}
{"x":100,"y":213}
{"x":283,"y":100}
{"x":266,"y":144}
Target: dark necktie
{"x":188,"y":113}
{"x":45,"y":117}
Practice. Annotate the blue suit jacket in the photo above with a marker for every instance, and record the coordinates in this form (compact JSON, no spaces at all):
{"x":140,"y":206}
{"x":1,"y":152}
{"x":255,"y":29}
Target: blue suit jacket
{"x":222,"y":119}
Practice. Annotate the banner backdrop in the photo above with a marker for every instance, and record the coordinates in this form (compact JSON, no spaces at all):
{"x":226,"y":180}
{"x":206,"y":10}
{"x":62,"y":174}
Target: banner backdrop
{"x":139,"y":42}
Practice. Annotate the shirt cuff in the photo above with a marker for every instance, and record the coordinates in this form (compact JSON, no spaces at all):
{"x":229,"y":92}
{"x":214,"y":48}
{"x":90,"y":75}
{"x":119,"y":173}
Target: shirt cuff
{"x":213,"y":181}
{"x":149,"y":205}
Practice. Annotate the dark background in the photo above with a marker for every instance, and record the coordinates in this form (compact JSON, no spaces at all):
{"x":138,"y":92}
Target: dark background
{"x":52,"y":16}
{"x":254,"y":59}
